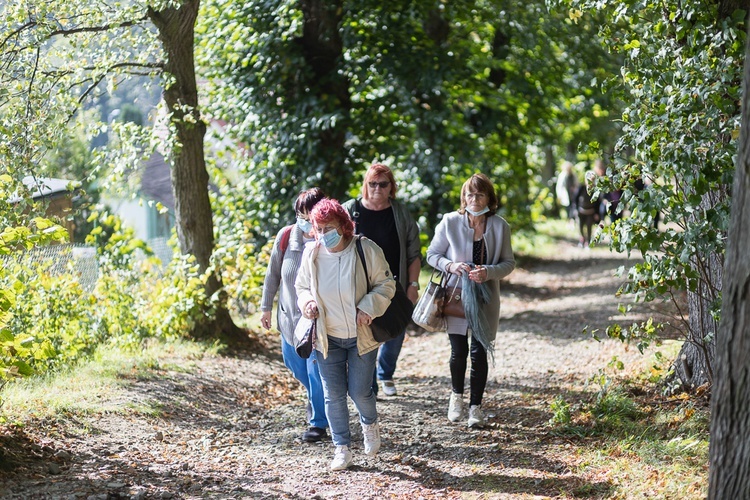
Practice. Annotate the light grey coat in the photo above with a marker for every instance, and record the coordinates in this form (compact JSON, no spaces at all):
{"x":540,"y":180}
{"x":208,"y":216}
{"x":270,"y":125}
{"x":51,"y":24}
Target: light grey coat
{"x":280,"y":275}
{"x":453,"y":242}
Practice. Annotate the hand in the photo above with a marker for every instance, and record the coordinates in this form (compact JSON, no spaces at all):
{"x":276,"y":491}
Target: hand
{"x":458,"y":268}
{"x":265,"y":320}
{"x":363,"y":318}
{"x":413,"y":294}
{"x":478,"y":274}
{"x":311,"y":310}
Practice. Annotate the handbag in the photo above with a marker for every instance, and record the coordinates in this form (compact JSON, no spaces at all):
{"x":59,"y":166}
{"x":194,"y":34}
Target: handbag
{"x":428,"y":313}
{"x":305,"y":334}
{"x":394,"y":320}
{"x":453,"y":305}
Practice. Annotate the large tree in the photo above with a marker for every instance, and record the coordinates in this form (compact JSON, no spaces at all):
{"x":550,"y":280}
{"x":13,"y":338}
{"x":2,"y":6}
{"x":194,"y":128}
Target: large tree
{"x":729,"y":473}
{"x":58,"y":54}
{"x":438,"y":90}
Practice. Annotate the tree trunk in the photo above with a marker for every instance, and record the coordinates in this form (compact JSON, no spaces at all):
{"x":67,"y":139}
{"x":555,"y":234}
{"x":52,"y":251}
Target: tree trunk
{"x":324,"y":50}
{"x":694,"y":365}
{"x":727,"y":7}
{"x":729,"y":452}
{"x":189,"y":175}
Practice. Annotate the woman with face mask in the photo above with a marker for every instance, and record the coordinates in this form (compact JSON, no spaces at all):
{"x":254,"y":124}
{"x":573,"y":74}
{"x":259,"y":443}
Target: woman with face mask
{"x":286,"y":256}
{"x":474,"y":241}
{"x":332,"y":287}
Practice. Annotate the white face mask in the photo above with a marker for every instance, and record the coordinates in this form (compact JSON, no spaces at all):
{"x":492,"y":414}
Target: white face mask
{"x":304,"y":225}
{"x":477,"y":214}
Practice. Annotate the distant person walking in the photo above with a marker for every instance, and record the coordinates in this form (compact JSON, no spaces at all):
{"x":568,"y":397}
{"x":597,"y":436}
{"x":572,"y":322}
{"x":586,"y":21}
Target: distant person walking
{"x":566,"y":188}
{"x":588,"y":209}
{"x":280,"y":276}
{"x":332,"y":287}
{"x":608,"y":201}
{"x":383,"y":219}
{"x":475,"y":242}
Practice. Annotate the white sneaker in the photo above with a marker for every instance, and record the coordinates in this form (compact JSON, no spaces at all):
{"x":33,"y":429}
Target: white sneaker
{"x":371,"y":434}
{"x":456,"y":407}
{"x":342,"y":458}
{"x":476,"y":417}
{"x":389,"y":388}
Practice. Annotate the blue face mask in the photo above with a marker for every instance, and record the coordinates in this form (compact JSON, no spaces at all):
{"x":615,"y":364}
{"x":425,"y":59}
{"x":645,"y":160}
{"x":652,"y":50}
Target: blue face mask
{"x":331,"y":239}
{"x":304,"y":225}
{"x":477,"y":214}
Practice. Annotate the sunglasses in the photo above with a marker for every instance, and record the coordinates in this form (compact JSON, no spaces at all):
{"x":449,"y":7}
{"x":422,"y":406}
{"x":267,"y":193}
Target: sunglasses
{"x":381,"y":185}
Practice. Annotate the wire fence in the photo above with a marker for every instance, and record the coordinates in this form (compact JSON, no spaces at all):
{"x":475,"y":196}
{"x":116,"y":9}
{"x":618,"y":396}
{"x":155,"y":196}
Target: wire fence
{"x":78,"y":259}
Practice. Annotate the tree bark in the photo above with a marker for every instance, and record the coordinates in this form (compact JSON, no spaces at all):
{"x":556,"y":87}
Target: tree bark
{"x":695,"y":363}
{"x":729,"y":451}
{"x":727,"y":7}
{"x":195,"y":229}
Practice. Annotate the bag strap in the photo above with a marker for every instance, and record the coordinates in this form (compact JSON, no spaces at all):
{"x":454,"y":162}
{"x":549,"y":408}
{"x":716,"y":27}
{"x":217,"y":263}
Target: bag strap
{"x":355,"y":217}
{"x":361,"y":253}
{"x":432,"y":276}
{"x":284,"y":243}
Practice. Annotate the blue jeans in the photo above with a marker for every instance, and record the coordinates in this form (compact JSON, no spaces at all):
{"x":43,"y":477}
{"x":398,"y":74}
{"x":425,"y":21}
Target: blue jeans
{"x":387,"y":358}
{"x":306,"y":371}
{"x":344,"y":372}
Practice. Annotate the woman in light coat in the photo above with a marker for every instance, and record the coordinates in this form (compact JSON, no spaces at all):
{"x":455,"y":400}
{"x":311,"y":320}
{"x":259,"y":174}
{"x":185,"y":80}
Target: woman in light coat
{"x":476,"y":241}
{"x":332,"y":287}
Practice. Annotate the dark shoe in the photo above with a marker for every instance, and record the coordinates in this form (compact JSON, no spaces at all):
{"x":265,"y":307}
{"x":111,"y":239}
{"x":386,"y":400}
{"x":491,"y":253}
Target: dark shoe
{"x":314,"y":434}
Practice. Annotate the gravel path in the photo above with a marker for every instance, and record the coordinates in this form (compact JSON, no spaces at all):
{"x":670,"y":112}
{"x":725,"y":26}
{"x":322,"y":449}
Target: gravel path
{"x":229,"y":427}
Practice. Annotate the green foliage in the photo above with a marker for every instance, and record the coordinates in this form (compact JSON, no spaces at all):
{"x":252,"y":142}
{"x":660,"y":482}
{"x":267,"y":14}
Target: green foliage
{"x":115,"y":244}
{"x":680,"y":82}
{"x":22,"y":230}
{"x":242,"y":263}
{"x":631,"y":432}
{"x":642,"y":334}
{"x":452,"y":89}
{"x":51,"y":321}
{"x":73,"y":159}
{"x":560,"y":409}
{"x":52,"y":326}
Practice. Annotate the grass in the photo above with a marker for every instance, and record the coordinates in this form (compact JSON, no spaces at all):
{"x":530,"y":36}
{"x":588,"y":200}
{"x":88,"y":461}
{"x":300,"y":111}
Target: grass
{"x":646,"y":445}
{"x":625,"y":439}
{"x":92,"y":386}
{"x":543,"y":240}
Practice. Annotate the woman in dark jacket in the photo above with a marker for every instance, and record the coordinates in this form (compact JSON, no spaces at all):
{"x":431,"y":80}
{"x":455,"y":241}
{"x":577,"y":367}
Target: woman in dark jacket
{"x":380,"y":217}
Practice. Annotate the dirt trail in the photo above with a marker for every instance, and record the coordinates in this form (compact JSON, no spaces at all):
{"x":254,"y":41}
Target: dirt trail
{"x":229,"y":427}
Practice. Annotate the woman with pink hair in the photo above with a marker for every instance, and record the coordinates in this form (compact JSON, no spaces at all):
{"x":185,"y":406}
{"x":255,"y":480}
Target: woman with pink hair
{"x":332,"y":287}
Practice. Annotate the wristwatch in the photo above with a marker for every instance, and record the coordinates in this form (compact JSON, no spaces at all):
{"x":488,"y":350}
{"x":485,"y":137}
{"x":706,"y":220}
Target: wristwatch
{"x":415,"y":284}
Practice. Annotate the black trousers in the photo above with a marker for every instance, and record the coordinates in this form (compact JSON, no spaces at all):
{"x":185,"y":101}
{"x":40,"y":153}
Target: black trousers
{"x":479,"y":367}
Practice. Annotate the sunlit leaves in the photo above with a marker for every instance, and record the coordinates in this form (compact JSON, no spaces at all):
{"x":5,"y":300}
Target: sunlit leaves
{"x":681,"y":76}
{"x":437,"y":91}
